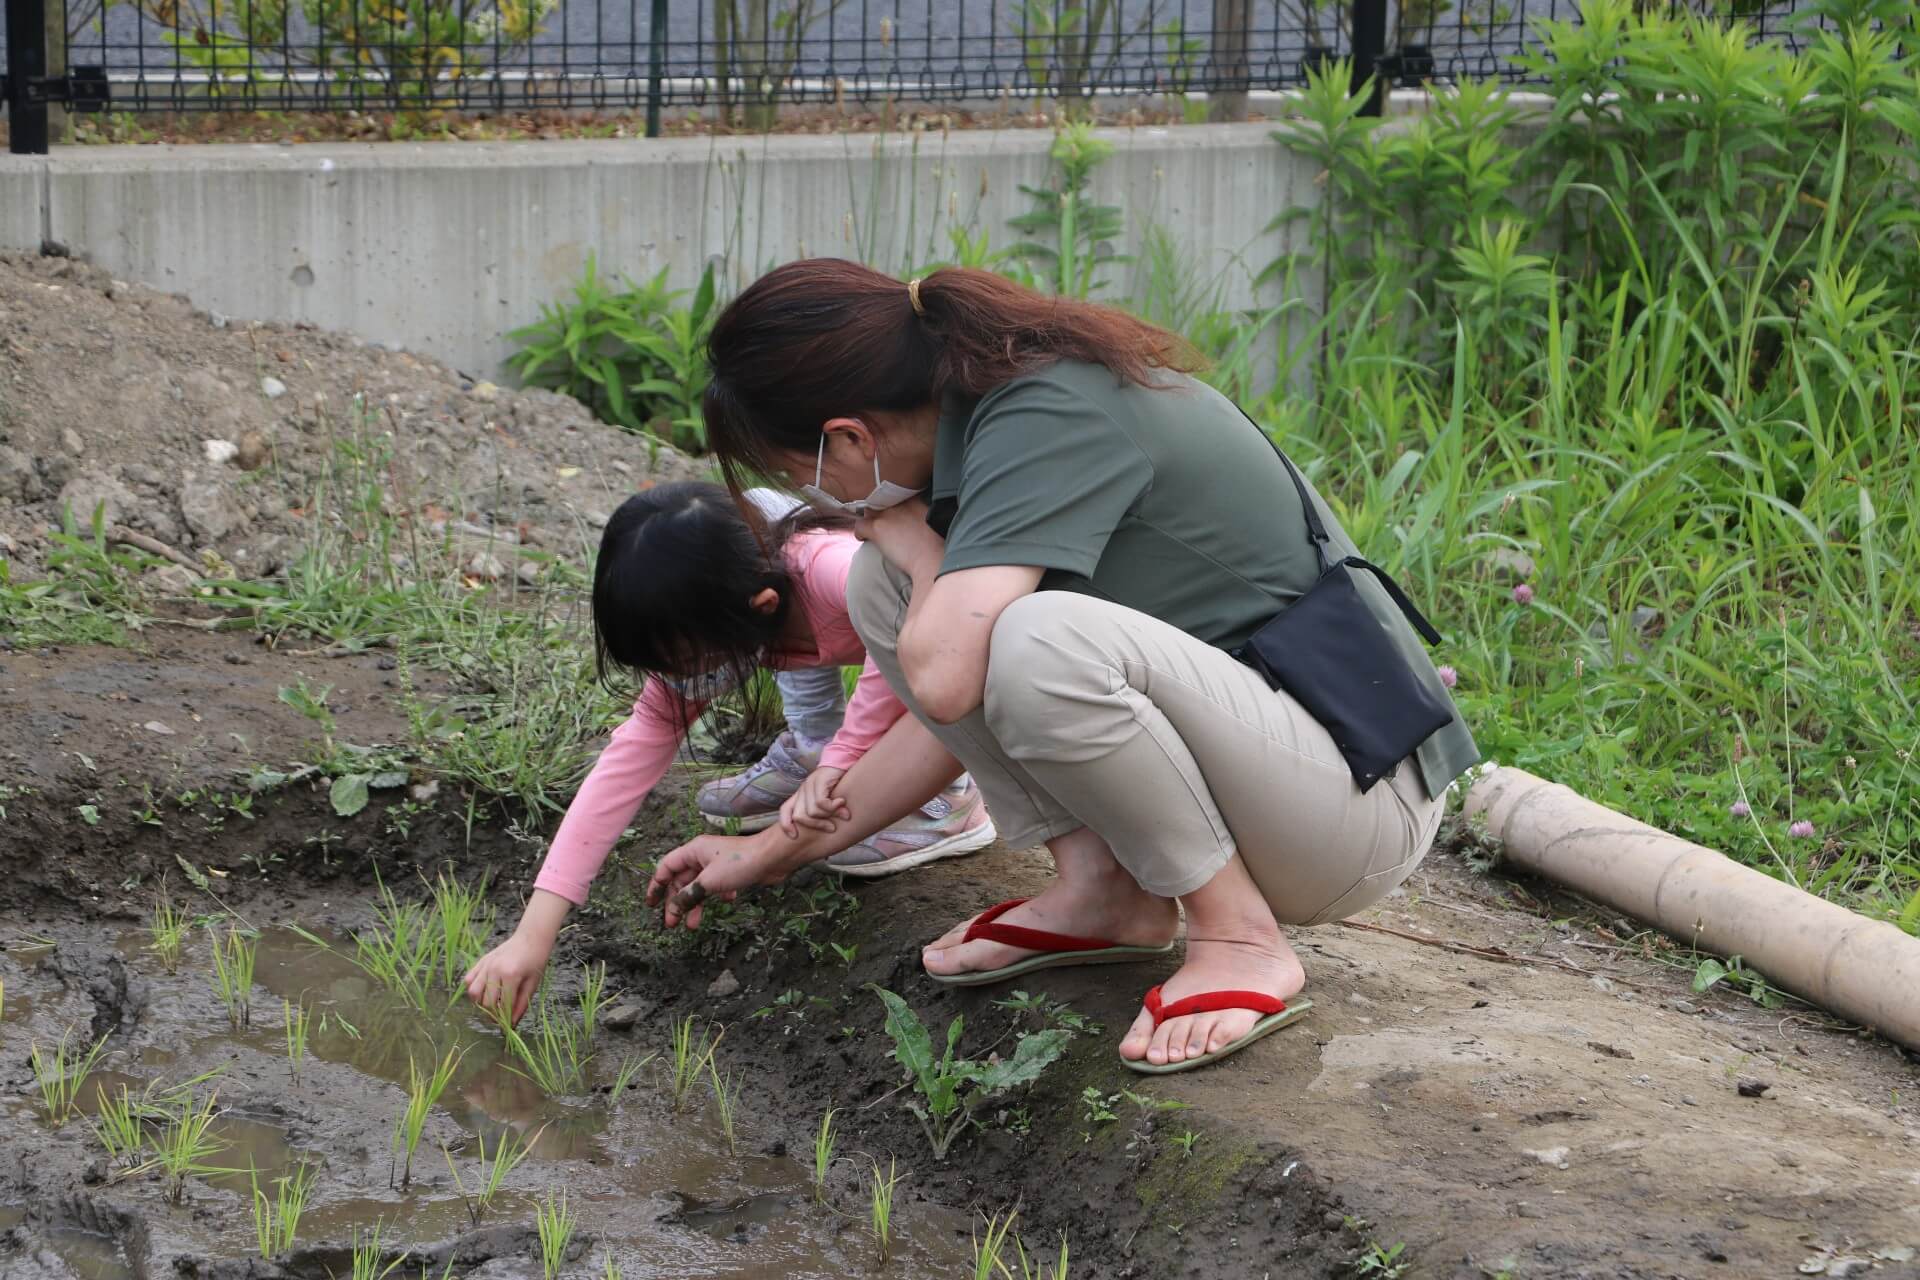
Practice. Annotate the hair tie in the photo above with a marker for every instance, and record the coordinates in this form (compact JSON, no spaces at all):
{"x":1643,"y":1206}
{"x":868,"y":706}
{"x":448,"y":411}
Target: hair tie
{"x":913,"y":296}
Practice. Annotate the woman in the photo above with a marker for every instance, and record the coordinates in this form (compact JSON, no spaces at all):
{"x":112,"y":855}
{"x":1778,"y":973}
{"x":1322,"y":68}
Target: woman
{"x":1099,"y":531}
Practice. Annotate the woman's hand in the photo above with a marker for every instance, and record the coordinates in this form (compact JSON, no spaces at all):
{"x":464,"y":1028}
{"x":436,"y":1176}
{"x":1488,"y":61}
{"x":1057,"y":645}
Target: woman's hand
{"x":903,"y":536}
{"x":711,"y":867}
{"x":503,"y":981}
{"x":815,"y":806}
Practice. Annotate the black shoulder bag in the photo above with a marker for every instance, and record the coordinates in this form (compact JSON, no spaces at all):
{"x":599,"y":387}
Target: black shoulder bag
{"x":1329,"y":651}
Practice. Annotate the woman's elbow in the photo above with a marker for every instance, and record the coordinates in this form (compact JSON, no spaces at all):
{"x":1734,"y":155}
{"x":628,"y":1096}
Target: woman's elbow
{"x":938,"y":683}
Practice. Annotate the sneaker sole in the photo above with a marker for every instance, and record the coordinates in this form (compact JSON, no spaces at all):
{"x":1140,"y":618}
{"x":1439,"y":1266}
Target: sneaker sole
{"x":952,"y":847}
{"x":746,"y":826}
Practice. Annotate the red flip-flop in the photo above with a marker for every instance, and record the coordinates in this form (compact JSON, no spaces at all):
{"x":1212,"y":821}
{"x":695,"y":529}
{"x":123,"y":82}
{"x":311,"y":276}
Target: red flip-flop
{"x":1278,"y":1014}
{"x":1056,"y":949}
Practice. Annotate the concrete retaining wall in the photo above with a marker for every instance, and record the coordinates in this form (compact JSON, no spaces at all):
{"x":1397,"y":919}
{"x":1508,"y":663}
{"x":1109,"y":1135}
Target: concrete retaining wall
{"x":443,"y":248}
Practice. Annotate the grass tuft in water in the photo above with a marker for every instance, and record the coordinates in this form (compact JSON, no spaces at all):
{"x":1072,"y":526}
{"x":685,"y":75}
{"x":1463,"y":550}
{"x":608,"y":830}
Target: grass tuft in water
{"x":186,"y":1142}
{"x":423,"y":1092}
{"x":880,"y":1215}
{"x":168,"y":928}
{"x":554,"y":1221}
{"x":553,"y":1050}
{"x":823,"y":1144}
{"x":121,"y":1126}
{"x":416,"y":948}
{"x":369,"y":1255}
{"x":61,"y":1072}
{"x":688,"y":1058}
{"x":297,"y":1022}
{"x":508,"y":1151}
{"x":233,"y":957}
{"x":276,"y":1218}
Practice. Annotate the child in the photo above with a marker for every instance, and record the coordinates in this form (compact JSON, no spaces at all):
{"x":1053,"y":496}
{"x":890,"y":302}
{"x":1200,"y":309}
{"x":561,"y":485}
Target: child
{"x":685,"y":594}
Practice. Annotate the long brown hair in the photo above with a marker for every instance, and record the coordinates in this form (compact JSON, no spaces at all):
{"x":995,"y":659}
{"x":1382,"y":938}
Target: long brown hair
{"x":823,"y":338}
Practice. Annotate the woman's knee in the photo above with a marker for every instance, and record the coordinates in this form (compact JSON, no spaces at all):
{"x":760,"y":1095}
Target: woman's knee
{"x":1035,"y":662}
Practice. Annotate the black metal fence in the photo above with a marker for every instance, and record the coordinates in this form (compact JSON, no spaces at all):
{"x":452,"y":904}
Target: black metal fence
{"x":746,"y":58}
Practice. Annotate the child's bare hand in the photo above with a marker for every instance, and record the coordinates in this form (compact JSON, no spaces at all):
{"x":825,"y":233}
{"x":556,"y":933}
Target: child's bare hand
{"x":503,"y":980}
{"x":815,"y":806}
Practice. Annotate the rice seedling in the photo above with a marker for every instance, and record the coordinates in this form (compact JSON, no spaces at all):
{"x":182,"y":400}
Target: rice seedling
{"x":465,"y":922}
{"x":297,"y":1022}
{"x":630,"y":1066}
{"x":554,"y":1221}
{"x":726,"y":1099}
{"x":509,"y":1150}
{"x":423,"y":1093}
{"x":61,"y":1072}
{"x":880,"y":1192}
{"x":1035,"y":1269}
{"x":276,"y":1219}
{"x":369,"y":1255}
{"x":688,"y":1058}
{"x":549,"y":1048}
{"x":168,"y":929}
{"x":988,"y":1263}
{"x":186,"y":1142}
{"x":609,"y":1269}
{"x":401,"y":951}
{"x":233,"y":957}
{"x":121,"y":1126}
{"x":823,"y":1144}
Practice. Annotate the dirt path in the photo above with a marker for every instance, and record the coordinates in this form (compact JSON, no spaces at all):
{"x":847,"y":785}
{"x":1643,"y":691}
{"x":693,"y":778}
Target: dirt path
{"x":1569,"y":1110}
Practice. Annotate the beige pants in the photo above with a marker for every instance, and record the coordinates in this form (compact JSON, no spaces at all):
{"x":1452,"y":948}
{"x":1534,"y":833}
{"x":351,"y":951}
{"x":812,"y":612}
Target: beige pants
{"x":1098,"y":716}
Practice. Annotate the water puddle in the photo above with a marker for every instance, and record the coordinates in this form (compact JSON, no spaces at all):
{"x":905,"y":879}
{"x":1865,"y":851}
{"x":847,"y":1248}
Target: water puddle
{"x":89,"y":1255}
{"x":656,"y":1191}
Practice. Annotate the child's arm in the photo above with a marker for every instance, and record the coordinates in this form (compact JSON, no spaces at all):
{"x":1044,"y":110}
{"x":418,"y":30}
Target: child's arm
{"x":635,"y":759}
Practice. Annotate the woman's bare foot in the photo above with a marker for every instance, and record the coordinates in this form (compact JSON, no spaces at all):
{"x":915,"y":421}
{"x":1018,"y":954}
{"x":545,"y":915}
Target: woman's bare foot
{"x":1233,"y":944}
{"x":1093,"y":897}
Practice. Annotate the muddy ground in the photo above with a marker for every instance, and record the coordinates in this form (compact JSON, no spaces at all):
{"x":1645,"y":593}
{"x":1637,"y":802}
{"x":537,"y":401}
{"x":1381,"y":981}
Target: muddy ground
{"x":1500,"y":1077}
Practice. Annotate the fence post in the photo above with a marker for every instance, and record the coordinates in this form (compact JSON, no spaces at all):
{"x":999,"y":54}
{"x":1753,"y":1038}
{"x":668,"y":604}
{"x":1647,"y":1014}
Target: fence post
{"x":1369,"y":44}
{"x":656,"y":60}
{"x":26,"y":65}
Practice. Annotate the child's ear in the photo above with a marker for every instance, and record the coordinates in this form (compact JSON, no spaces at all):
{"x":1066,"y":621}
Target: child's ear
{"x":766,"y":600}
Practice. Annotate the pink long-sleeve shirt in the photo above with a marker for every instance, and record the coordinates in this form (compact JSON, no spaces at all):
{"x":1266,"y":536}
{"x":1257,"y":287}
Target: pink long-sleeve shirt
{"x":643,"y":747}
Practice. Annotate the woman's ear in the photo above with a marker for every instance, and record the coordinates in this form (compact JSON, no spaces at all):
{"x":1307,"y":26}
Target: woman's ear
{"x":853,"y":431}
{"x":766,"y":601}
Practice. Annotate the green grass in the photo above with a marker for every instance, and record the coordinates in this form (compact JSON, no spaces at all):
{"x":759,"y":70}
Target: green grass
{"x":369,"y":1253}
{"x":824,"y":1141}
{"x":168,"y":928}
{"x":120,"y":1125}
{"x":186,"y":1142}
{"x":296,"y":1023}
{"x":61,"y":1072}
{"x":726,"y":1099}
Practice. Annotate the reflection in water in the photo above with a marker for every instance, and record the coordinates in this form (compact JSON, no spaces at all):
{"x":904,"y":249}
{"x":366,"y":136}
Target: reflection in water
{"x":87,"y":1254}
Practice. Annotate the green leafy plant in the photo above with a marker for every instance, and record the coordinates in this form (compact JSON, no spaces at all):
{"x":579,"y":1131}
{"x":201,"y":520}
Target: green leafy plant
{"x":756,"y":44}
{"x":61,"y":1072}
{"x":1383,"y":1262}
{"x":630,"y":353}
{"x":89,"y":595}
{"x":276,"y":1218}
{"x":949,"y":1086}
{"x":233,"y":957}
{"x":554,"y":1222}
{"x":423,"y":1094}
{"x":1071,"y":237}
{"x":1734,"y":973}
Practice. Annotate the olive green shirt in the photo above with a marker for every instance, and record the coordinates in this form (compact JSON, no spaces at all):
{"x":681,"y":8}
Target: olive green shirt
{"x":1166,"y":500}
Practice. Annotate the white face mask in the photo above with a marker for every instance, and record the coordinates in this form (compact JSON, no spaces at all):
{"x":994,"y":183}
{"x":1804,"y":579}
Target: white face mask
{"x":708,"y":686}
{"x":885,"y":492}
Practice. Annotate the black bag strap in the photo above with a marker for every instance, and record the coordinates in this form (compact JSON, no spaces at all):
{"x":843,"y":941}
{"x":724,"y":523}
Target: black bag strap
{"x":1317,"y":533}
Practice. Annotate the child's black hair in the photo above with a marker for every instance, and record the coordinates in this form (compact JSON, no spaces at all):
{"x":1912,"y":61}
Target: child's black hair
{"x":677,"y":566}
